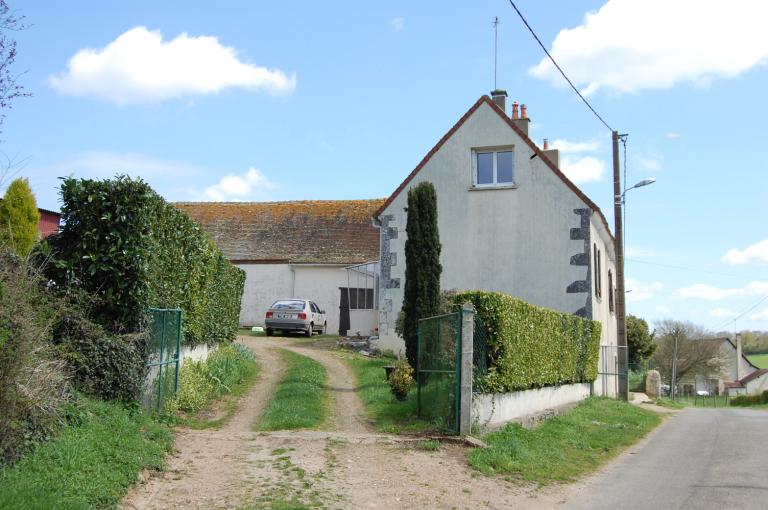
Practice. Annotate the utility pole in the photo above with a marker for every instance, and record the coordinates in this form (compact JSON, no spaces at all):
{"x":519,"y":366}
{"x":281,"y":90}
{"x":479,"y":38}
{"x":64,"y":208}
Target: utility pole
{"x":621,"y":311}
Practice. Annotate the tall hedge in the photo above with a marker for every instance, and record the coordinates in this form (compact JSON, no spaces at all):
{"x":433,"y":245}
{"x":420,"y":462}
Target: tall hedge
{"x":530,"y":347}
{"x":421,"y":295}
{"x":125,"y":244}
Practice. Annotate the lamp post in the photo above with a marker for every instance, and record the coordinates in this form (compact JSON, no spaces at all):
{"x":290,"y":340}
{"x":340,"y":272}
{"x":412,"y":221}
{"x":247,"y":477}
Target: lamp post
{"x":621,"y":311}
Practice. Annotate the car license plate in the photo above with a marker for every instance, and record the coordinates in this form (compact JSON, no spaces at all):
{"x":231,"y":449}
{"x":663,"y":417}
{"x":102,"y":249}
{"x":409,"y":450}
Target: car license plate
{"x":285,"y":316}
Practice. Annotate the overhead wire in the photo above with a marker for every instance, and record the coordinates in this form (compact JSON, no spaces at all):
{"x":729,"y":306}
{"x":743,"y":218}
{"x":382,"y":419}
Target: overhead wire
{"x":742,"y":314}
{"x":530,"y":29}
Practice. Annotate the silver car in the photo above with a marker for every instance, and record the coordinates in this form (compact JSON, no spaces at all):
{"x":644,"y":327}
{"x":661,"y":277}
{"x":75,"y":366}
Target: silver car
{"x":295,"y":315}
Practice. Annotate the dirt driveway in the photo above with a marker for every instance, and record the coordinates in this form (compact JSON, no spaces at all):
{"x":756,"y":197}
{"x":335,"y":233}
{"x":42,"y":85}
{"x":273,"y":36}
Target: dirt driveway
{"x":346,"y":465}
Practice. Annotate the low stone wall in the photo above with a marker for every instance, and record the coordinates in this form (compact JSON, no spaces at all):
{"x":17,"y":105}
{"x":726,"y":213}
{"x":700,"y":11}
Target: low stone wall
{"x":492,"y":410}
{"x":195,"y":352}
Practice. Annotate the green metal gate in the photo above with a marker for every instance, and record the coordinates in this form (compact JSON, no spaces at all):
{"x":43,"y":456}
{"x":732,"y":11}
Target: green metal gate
{"x":438,"y":374}
{"x":163,"y":351}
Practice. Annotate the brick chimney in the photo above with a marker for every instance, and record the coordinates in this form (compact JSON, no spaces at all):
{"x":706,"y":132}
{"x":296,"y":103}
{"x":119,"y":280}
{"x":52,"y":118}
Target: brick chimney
{"x":500,"y":98}
{"x":552,"y":154}
{"x":523,"y":121}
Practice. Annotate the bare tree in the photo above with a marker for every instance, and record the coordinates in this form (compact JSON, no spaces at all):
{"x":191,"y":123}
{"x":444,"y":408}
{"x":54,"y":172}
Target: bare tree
{"x":685,"y":349}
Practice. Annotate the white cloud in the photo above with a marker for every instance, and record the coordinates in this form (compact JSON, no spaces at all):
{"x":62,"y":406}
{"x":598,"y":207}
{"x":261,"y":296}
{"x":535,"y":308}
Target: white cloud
{"x":139,"y":67}
{"x":236,"y":188}
{"x":641,"y":291}
{"x":712,"y":293}
{"x":567,"y":147}
{"x":663,"y":309}
{"x":628,"y":45}
{"x":672,"y":135}
{"x":760,"y":315}
{"x":106,"y":164}
{"x":723,"y":313}
{"x":398,"y":24}
{"x":757,"y":252}
{"x":582,"y":169}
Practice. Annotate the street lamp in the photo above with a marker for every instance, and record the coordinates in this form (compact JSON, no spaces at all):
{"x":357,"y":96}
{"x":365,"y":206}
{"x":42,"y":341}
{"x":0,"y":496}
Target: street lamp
{"x":644,"y":182}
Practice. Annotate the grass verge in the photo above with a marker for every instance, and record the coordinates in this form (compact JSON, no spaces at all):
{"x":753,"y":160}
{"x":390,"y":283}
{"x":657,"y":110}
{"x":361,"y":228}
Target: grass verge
{"x":301,"y":399}
{"x":565,"y":447}
{"x":389,"y":415}
{"x":91,"y":464}
{"x":229,"y":371}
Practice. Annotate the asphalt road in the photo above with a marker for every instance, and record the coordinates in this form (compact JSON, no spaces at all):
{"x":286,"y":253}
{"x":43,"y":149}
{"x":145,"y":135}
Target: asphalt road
{"x":699,"y":459}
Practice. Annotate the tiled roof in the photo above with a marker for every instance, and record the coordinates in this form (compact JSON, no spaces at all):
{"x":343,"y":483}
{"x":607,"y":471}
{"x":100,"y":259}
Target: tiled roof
{"x":754,"y":375}
{"x":314,"y":232}
{"x":734,"y":384}
{"x":526,"y":139}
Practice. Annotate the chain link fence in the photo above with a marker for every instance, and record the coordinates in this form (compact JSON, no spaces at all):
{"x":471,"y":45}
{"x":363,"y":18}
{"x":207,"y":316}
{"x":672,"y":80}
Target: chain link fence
{"x":437,"y":377}
{"x":163,"y":351}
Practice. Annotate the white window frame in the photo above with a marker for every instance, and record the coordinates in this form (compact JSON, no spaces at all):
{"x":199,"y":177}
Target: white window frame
{"x":495,"y":151}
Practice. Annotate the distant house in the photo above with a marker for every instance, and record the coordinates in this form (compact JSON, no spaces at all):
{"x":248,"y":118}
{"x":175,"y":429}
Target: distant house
{"x":736,"y":373}
{"x":50,"y":222}
{"x":509,"y":221}
{"x":326,"y":251}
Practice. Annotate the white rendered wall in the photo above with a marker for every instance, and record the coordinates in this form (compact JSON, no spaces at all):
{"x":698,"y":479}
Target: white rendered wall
{"x":264,"y":283}
{"x":515,"y":241}
{"x":495,"y":409}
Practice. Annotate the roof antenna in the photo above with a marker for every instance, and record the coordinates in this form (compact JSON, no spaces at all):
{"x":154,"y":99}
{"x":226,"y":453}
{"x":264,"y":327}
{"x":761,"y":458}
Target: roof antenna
{"x":495,"y":48}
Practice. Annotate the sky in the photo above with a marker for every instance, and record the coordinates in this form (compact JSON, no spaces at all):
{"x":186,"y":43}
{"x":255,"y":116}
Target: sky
{"x":258,"y":101}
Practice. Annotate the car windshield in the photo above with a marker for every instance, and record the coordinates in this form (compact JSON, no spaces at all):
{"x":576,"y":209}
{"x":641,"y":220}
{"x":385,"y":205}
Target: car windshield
{"x":287,"y":305}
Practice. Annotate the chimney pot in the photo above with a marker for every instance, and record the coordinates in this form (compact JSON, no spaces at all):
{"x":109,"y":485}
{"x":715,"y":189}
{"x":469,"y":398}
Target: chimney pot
{"x":523,"y":112}
{"x":500,"y":98}
{"x":546,"y":144}
{"x":515,"y":114}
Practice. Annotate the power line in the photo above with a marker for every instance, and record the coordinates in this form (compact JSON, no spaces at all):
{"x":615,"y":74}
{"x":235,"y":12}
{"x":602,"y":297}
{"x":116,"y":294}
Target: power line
{"x":693,"y":270}
{"x":557,"y":66}
{"x":742,"y":314}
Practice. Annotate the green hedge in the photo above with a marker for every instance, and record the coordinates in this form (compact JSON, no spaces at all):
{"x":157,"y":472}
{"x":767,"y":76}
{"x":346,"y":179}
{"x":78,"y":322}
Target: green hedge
{"x":126,"y":245}
{"x":750,"y":400}
{"x":530,"y":347}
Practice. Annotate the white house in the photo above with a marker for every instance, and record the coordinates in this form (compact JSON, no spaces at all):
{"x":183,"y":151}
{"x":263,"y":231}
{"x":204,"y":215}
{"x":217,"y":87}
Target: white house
{"x":325,"y":251}
{"x":509,"y":221}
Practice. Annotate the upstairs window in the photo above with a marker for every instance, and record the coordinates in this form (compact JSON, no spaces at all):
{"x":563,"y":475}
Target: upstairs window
{"x":610,"y":292}
{"x":598,"y":271}
{"x":493,"y":167}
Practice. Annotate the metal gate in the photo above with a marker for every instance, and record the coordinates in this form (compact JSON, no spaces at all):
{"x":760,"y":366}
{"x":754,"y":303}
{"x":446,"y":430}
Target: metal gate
{"x":609,"y":374}
{"x":439,"y":370}
{"x":163,"y":351}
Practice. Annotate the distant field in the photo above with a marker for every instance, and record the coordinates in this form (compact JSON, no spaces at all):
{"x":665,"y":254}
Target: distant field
{"x":759,"y":360}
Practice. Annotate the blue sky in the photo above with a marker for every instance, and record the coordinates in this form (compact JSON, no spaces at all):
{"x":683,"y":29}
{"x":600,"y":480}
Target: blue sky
{"x":336,"y":100}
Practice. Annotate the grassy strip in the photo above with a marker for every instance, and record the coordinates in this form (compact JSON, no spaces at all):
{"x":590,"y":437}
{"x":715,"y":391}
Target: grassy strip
{"x":301,"y":399}
{"x":381,"y":406}
{"x":91,"y":464}
{"x":229,"y":371}
{"x":759,"y":360}
{"x":565,"y":447}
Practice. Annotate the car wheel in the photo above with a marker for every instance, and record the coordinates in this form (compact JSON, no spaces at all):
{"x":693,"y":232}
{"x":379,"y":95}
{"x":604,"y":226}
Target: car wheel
{"x":270,"y":332}
{"x":308,"y":332}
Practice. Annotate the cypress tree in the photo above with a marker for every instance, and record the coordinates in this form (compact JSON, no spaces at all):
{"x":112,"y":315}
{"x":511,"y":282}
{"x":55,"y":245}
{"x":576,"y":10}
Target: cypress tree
{"x":19,"y":218}
{"x":422,"y":264}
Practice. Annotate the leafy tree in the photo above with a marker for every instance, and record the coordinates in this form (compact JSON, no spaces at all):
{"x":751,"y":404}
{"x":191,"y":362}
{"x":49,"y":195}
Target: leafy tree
{"x":19,"y":218}
{"x":422,"y":264}
{"x":639,"y":340}
{"x":684,"y":351}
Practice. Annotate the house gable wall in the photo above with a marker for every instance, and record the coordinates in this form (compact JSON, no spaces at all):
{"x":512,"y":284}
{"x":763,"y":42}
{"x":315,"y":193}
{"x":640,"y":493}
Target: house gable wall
{"x":518,"y":241}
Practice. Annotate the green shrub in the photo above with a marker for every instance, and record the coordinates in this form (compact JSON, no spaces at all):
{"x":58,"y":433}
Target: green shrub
{"x":529,"y":346}
{"x":19,"y":218}
{"x":33,"y":385}
{"x":126,"y":245}
{"x":750,"y":400}
{"x":401,"y":379}
{"x":102,"y":364}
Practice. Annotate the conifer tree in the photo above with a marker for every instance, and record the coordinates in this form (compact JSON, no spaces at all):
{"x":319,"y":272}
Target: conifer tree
{"x":422,"y":264}
{"x":19,"y":218}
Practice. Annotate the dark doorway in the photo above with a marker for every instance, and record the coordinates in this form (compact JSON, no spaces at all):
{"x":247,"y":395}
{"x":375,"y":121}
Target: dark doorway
{"x":343,"y":311}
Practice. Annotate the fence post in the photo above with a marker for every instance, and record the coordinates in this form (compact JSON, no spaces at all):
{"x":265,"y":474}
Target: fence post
{"x":467,"y":346}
